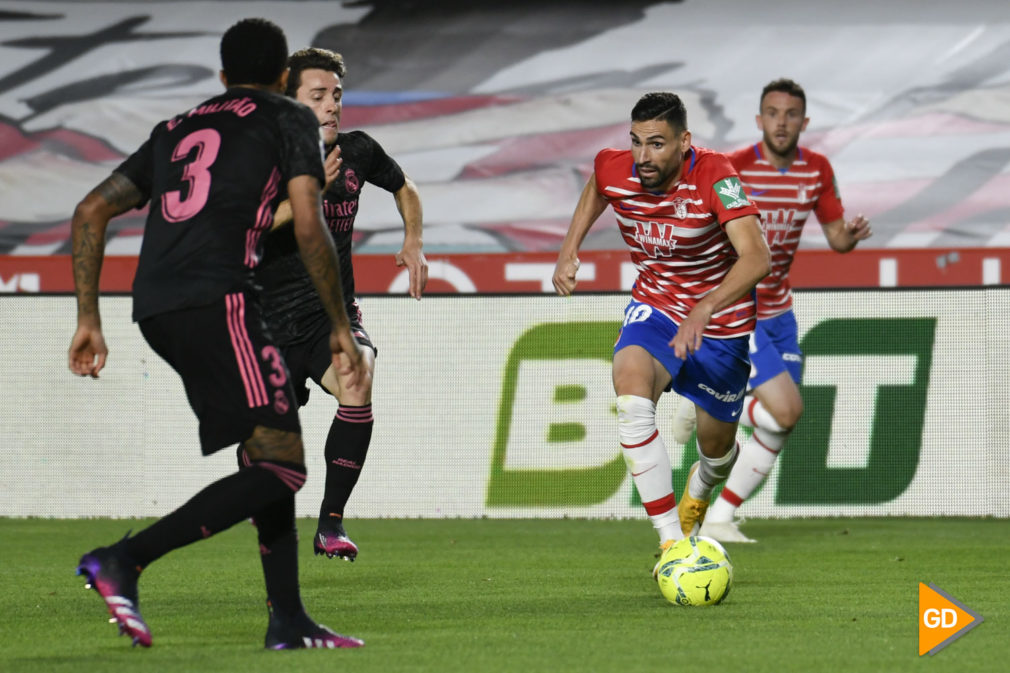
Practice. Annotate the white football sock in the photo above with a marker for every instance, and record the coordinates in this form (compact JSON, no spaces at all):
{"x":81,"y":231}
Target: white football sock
{"x":757,"y":457}
{"x":710,"y":473}
{"x":756,"y":416}
{"x":648,"y":463}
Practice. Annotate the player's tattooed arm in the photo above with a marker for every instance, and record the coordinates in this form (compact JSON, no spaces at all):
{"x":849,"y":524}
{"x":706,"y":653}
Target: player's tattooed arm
{"x":115,"y":195}
{"x":119,"y":193}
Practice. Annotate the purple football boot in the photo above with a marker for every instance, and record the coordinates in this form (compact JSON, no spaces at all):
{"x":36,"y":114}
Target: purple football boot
{"x":109,"y":572}
{"x":332,"y":540}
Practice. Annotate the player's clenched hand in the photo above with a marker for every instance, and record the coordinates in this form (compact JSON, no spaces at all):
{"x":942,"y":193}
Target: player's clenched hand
{"x":332,"y":167}
{"x":347,"y":358}
{"x":87,"y":351}
{"x":859,"y":228}
{"x":564,"y":276}
{"x":417,"y":269}
{"x":690,"y":333}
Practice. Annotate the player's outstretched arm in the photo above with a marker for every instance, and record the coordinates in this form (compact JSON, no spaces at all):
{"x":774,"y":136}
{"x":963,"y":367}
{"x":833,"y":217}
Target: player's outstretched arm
{"x":843,"y":235}
{"x":589,"y":208}
{"x":320,"y":258}
{"x":753,"y":263}
{"x":115,"y":195}
{"x":408,"y":202}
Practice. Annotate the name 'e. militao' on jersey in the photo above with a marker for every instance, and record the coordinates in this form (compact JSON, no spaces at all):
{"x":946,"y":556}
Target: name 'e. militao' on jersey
{"x":677,"y":239}
{"x":214,"y":177}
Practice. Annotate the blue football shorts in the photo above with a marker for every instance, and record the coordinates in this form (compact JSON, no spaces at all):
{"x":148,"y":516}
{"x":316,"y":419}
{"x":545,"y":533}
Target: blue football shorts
{"x":714,"y":377}
{"x":775,"y":348}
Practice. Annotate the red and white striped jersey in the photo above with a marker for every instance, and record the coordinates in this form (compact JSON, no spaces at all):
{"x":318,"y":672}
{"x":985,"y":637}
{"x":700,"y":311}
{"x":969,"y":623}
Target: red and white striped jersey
{"x":677,"y":239}
{"x":786,"y":198}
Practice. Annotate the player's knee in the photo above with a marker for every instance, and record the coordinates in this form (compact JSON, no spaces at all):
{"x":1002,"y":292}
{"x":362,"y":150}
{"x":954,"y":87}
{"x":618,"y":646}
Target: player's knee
{"x":636,"y":419}
{"x":359,"y":395}
{"x":242,"y":457}
{"x":788,"y":416}
{"x":715,"y":447}
{"x":279,"y":452}
{"x":291,"y":475}
{"x":275,"y":445}
{"x":715,"y":438}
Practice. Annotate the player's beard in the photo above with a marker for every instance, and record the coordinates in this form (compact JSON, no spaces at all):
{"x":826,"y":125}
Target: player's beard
{"x":654,"y":182}
{"x":784,"y":151}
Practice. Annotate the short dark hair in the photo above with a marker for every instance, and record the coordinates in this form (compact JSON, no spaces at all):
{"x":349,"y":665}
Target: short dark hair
{"x":661,"y":105}
{"x":312,"y":58}
{"x":784,"y":85}
{"x":253,"y":51}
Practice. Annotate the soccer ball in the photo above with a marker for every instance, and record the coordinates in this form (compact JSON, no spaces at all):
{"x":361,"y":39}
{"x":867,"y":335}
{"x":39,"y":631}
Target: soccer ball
{"x":695,"y":571}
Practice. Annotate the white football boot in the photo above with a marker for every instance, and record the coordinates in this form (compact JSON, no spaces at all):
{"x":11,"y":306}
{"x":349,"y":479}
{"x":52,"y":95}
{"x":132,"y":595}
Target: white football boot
{"x":723,"y":531}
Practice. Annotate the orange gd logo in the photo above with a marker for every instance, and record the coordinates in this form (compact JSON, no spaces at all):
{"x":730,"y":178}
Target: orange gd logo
{"x":942,"y":619}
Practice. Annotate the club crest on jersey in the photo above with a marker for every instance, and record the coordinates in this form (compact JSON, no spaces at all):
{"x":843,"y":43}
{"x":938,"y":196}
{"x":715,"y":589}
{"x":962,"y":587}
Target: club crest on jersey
{"x":655,"y":238}
{"x":731,"y":193}
{"x":351,"y":181}
{"x":680,"y":208}
{"x":281,"y":404}
{"x":801,"y":193}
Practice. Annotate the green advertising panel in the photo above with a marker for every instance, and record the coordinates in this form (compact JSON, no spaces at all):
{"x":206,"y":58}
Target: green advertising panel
{"x":882,"y":366}
{"x":860,"y":446}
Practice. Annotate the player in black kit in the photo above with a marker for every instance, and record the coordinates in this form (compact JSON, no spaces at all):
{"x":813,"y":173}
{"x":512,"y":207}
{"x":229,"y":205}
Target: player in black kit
{"x":297,"y":318}
{"x":214,"y":176}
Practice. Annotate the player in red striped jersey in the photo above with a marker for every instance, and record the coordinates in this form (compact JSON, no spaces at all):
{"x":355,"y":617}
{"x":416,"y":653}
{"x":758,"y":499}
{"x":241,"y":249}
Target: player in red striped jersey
{"x":787,"y":182}
{"x":698,"y":248}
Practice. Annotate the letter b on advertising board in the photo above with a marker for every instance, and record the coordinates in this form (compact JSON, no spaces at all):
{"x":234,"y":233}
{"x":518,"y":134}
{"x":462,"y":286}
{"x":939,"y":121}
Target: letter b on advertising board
{"x":556,"y":437}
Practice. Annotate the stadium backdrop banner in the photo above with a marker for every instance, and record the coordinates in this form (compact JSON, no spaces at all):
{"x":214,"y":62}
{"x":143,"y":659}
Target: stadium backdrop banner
{"x":502,"y":406}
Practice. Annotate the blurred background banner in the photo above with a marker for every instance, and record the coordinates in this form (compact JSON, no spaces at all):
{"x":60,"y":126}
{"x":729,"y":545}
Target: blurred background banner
{"x":500,"y":405}
{"x":503,"y":407}
{"x":496,"y":110}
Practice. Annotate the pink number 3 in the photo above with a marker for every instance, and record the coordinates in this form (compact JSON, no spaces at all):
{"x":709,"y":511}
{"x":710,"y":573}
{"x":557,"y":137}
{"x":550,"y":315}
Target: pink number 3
{"x":207,"y":142}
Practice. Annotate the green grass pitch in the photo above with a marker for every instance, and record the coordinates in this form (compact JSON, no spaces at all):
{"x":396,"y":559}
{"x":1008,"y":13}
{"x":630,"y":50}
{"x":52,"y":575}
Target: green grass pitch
{"x":520,"y":595}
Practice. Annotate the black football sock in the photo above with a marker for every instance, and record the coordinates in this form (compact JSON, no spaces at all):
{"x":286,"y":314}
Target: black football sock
{"x":346,"y":448}
{"x":277,"y":534}
{"x":216,"y":508}
{"x":278,"y":539}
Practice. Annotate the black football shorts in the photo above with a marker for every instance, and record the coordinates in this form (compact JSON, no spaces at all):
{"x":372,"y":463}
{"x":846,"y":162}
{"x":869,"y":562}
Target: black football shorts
{"x":311,"y":358}
{"x":235,"y":378}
